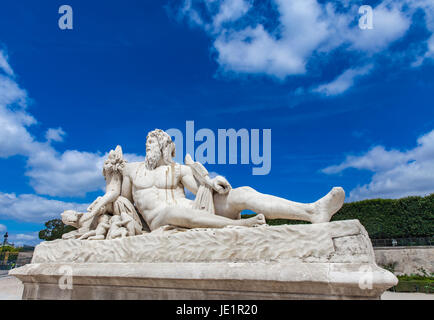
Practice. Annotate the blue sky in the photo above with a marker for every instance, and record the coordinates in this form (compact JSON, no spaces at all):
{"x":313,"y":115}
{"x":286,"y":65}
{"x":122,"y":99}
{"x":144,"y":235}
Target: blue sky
{"x":347,"y":107}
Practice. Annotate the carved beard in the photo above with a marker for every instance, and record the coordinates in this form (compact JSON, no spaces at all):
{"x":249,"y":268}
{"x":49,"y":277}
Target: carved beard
{"x":152,"y":158}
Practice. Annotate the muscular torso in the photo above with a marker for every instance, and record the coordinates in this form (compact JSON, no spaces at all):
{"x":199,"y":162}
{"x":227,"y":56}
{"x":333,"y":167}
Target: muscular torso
{"x":154,"y":189}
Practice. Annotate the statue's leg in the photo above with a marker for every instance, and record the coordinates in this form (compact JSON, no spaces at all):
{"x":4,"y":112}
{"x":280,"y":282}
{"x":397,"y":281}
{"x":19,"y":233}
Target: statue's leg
{"x":124,"y":233}
{"x":97,"y":237}
{"x":130,"y":224}
{"x":246,"y":198}
{"x":115,"y":234}
{"x":70,"y":235}
{"x":87,"y":235}
{"x":192,"y":218}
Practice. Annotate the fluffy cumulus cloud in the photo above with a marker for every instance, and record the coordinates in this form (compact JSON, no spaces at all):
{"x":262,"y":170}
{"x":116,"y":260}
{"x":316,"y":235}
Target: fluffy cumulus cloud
{"x":230,"y":10}
{"x":396,"y":173}
{"x":282,"y":38}
{"x":52,"y":173}
{"x":33,"y":208}
{"x":54,"y":135}
{"x":71,"y":173}
{"x":4,"y":65}
{"x":255,"y":50}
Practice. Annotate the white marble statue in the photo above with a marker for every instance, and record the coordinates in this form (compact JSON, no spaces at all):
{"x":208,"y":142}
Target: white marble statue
{"x":157,"y":244}
{"x":155,"y":190}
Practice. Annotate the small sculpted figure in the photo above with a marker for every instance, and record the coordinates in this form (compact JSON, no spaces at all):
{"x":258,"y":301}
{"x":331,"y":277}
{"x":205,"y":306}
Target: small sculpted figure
{"x":101,"y":230}
{"x":117,"y":228}
{"x":131,"y":225}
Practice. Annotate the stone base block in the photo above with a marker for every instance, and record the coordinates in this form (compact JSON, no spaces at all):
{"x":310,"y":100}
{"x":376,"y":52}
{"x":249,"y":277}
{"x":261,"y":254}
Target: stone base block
{"x":227,"y":281}
{"x":323,"y":261}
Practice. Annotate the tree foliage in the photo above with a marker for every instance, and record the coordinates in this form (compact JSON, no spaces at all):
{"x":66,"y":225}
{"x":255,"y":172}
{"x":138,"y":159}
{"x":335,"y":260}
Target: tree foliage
{"x":54,"y":230}
{"x":8,"y":248}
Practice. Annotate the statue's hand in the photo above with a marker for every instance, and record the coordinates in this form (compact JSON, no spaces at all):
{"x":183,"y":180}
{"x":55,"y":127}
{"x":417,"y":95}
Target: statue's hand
{"x":221,"y":185}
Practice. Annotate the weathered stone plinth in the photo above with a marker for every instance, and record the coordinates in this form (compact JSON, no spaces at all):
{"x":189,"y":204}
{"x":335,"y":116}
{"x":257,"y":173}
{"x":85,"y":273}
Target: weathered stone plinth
{"x":322,"y":261}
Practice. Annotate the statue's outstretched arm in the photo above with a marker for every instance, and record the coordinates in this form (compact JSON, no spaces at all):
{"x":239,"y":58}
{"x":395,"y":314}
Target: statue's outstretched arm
{"x":112,"y":171}
{"x":112,"y":193}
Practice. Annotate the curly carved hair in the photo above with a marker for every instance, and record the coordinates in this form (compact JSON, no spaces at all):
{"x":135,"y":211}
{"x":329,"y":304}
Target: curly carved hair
{"x":114,"y":163}
{"x":167,"y":146}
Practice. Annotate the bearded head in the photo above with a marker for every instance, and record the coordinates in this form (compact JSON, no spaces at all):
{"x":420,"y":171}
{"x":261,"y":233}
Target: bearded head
{"x":159,"y":146}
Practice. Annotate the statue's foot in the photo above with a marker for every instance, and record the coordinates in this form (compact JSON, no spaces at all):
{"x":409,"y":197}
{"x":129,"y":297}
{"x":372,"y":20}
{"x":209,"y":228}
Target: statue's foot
{"x":257,"y":220}
{"x":327,"y":206}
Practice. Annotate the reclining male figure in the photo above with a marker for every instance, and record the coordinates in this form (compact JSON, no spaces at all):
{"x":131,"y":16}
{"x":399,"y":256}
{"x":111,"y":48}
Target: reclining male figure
{"x":156,"y":187}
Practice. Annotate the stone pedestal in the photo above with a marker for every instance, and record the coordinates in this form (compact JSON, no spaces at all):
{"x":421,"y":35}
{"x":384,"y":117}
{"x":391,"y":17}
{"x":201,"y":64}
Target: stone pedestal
{"x":322,"y":261}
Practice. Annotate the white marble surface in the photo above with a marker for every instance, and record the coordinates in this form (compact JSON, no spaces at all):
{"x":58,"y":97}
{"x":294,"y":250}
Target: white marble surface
{"x":335,"y":242}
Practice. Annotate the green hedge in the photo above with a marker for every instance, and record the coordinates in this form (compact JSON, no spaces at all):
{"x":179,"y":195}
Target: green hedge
{"x":387,"y":218}
{"x":392,"y":218}
{"x":414,"y":283}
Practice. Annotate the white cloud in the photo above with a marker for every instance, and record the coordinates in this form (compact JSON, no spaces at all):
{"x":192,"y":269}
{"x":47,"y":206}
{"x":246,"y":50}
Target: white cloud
{"x":428,"y":7}
{"x":26,"y":236}
{"x":374,"y":160}
{"x":255,"y":50}
{"x":54,"y":135}
{"x":4,"y":64}
{"x":33,"y":208}
{"x":305,"y":30}
{"x":71,"y":173}
{"x":396,"y":173}
{"x":14,"y":137}
{"x":21,"y":239}
{"x":390,"y":24}
{"x":11,"y":93}
{"x":3,"y":228}
{"x":343,"y":81}
{"x":230,"y":10}
{"x":14,"y":120}
{"x":131,"y":157}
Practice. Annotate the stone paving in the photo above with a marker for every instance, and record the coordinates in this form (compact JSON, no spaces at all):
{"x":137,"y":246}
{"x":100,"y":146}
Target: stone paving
{"x":10,"y":288}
